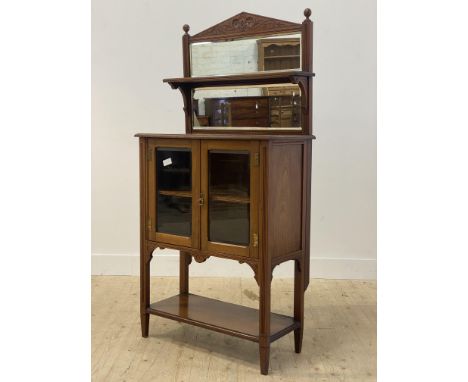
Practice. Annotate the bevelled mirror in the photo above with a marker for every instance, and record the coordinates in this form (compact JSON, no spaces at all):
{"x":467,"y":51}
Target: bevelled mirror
{"x":254,"y":107}
{"x":249,"y":55}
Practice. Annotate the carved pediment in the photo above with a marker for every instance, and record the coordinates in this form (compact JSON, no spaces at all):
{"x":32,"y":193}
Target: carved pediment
{"x":246,"y":24}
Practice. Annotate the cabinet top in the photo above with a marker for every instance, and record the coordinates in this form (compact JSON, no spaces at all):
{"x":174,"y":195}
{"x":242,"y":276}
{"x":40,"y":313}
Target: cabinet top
{"x":246,"y":137}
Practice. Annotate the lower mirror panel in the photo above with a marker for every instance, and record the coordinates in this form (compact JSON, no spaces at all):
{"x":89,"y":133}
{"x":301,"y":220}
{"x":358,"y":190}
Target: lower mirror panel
{"x":275,"y":106}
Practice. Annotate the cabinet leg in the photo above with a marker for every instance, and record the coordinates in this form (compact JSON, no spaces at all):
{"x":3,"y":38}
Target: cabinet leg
{"x":298,"y":339}
{"x":145,"y":258}
{"x":264,"y":359}
{"x":144,"y":324}
{"x":299,"y":280}
{"x":265,"y":316}
{"x":185,"y":260}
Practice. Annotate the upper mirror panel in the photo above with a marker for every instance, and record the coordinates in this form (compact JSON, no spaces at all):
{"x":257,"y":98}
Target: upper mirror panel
{"x":281,"y":52}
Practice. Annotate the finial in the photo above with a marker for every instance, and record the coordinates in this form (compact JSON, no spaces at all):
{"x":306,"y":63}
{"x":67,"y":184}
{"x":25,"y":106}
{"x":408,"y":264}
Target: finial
{"x":307,"y":12}
{"x":186,"y":28}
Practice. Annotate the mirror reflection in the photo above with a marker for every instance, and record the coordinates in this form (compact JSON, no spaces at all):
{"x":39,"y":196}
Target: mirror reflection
{"x":269,"y":106}
{"x":282,"y":52}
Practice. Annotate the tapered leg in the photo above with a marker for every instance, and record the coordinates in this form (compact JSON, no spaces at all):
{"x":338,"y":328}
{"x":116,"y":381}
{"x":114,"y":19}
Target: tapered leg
{"x":298,"y":303}
{"x":264,"y":359}
{"x":144,"y":324}
{"x":145,"y":258}
{"x":298,"y":339}
{"x":185,"y":260}
{"x":265,"y":309}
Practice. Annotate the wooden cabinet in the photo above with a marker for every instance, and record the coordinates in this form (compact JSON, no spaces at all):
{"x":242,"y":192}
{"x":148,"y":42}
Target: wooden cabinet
{"x":279,"y":53}
{"x":280,"y":108}
{"x":285,"y":111}
{"x":238,"y":111}
{"x":234,"y":194}
{"x":207,"y":196}
{"x":236,"y":197}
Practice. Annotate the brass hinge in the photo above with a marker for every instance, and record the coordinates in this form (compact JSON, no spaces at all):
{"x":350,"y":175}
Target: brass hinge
{"x":148,"y":223}
{"x":256,"y":159}
{"x":255,"y":240}
{"x":149,"y":154}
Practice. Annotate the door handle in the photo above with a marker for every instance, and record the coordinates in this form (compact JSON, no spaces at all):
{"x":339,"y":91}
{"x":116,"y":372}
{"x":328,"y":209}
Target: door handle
{"x":201,"y":200}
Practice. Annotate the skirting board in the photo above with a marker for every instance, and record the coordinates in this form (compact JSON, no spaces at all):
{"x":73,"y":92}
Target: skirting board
{"x":167,"y":264}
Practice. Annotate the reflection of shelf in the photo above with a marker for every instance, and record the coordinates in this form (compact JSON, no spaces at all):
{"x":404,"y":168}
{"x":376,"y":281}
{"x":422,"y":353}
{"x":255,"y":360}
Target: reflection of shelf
{"x":285,"y":56}
{"x":180,"y":194}
{"x":230,"y":198}
{"x":223,"y":317}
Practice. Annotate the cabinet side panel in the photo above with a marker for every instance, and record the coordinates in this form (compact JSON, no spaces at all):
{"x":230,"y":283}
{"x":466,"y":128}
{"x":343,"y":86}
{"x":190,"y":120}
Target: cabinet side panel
{"x":285,"y":198}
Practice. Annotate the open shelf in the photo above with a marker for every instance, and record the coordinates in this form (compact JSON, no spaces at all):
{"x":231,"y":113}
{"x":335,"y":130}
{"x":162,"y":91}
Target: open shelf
{"x":226,"y":194}
{"x":235,"y":320}
{"x":230,"y":198}
{"x":181,"y":194}
{"x":285,"y":56}
{"x":272,"y":77}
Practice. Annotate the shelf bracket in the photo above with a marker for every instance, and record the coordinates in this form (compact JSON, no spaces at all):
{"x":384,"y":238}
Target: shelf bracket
{"x":186,"y":97}
{"x":148,"y":253}
{"x":254,"y":267}
{"x":303,"y":85}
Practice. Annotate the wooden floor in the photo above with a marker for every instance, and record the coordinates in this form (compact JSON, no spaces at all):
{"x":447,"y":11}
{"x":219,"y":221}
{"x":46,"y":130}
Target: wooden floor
{"x":339,"y":334}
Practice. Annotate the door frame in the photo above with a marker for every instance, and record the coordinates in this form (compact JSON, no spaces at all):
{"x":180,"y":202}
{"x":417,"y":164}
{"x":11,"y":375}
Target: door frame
{"x":192,"y":241}
{"x":231,"y":249}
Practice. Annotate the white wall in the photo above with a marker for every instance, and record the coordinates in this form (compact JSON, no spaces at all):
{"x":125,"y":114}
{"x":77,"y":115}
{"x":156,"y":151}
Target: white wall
{"x":137,"y":43}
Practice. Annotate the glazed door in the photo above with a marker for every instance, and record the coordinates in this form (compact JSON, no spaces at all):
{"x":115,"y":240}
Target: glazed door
{"x":173,"y":189}
{"x":229,"y":197}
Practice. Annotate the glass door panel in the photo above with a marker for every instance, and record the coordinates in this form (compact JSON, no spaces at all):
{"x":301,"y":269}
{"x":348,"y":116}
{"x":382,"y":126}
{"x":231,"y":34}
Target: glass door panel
{"x":229,"y":197}
{"x":174,"y":191}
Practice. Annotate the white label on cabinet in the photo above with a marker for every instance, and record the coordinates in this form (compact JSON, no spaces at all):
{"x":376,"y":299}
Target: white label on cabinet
{"x":167,"y":162}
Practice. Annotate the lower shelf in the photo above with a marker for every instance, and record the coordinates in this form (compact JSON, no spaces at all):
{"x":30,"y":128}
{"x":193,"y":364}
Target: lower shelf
{"x":223,"y":317}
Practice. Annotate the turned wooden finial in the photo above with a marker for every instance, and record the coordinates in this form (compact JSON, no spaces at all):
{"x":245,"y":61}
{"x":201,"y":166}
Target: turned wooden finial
{"x":307,"y":12}
{"x":186,"y":28}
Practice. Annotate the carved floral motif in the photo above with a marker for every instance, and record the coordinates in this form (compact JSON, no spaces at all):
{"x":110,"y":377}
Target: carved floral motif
{"x":247,"y":22}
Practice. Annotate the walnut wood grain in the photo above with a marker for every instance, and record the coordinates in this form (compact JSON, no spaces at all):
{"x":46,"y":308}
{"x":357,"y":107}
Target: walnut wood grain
{"x":285,"y":198}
